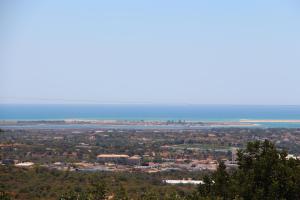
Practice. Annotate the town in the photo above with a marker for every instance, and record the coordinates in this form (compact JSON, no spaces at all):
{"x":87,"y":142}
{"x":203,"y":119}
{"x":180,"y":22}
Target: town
{"x":132,"y":150}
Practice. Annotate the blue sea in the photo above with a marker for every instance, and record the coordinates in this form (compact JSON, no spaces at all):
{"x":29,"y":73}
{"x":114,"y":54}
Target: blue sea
{"x":154,"y":112}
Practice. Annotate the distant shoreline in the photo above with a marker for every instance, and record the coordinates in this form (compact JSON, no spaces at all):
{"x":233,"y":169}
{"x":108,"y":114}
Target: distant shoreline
{"x":270,"y":121}
{"x":147,"y":124}
{"x":124,"y":122}
{"x":121,"y":124}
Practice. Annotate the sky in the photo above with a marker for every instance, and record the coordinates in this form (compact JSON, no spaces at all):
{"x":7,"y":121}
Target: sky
{"x":156,"y":52}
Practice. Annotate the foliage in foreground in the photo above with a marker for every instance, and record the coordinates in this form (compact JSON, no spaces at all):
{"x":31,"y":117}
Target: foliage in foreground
{"x":264,"y":173}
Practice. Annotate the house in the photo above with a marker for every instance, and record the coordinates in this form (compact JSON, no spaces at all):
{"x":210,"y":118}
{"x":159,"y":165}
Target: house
{"x":134,"y":160}
{"x":113,"y":158}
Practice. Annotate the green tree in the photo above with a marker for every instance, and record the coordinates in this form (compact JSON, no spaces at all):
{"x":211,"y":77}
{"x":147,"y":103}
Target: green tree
{"x":74,"y":196}
{"x":4,"y":196}
{"x":98,"y":191}
{"x":174,"y":196}
{"x":221,"y":181}
{"x":264,"y":173}
{"x":205,"y":189}
{"x":121,"y":194}
{"x":150,"y":195}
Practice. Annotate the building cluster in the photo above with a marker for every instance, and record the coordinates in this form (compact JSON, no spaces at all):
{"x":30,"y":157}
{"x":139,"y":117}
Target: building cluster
{"x":124,"y":162}
{"x":156,"y":150}
{"x":119,"y":159}
{"x":16,"y":163}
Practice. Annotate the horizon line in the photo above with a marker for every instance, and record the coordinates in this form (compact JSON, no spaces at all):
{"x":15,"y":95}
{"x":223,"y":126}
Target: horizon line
{"x":152,"y":104}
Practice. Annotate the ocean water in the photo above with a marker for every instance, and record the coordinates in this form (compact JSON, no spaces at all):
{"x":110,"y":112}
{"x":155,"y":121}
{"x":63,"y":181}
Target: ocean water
{"x":153,"y":112}
{"x":148,"y":112}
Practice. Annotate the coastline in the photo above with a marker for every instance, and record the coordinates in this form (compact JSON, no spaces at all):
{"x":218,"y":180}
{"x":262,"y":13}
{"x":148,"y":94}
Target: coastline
{"x":122,"y":124}
{"x":270,"y":121}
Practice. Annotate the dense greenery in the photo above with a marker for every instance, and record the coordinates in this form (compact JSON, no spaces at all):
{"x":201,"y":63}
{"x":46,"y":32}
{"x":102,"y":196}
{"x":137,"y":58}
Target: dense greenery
{"x":264,"y":173}
{"x":43,"y":183}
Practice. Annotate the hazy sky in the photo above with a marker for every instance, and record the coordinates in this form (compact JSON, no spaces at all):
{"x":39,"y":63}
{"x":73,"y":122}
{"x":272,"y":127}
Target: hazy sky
{"x":156,"y":51}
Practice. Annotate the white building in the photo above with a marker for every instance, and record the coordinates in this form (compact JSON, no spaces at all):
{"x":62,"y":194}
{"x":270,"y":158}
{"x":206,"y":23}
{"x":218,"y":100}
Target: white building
{"x":25,"y":164}
{"x":173,"y":182}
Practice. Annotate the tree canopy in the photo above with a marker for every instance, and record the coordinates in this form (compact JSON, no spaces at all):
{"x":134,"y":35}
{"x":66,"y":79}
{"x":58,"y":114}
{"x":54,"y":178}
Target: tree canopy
{"x":264,"y":172}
